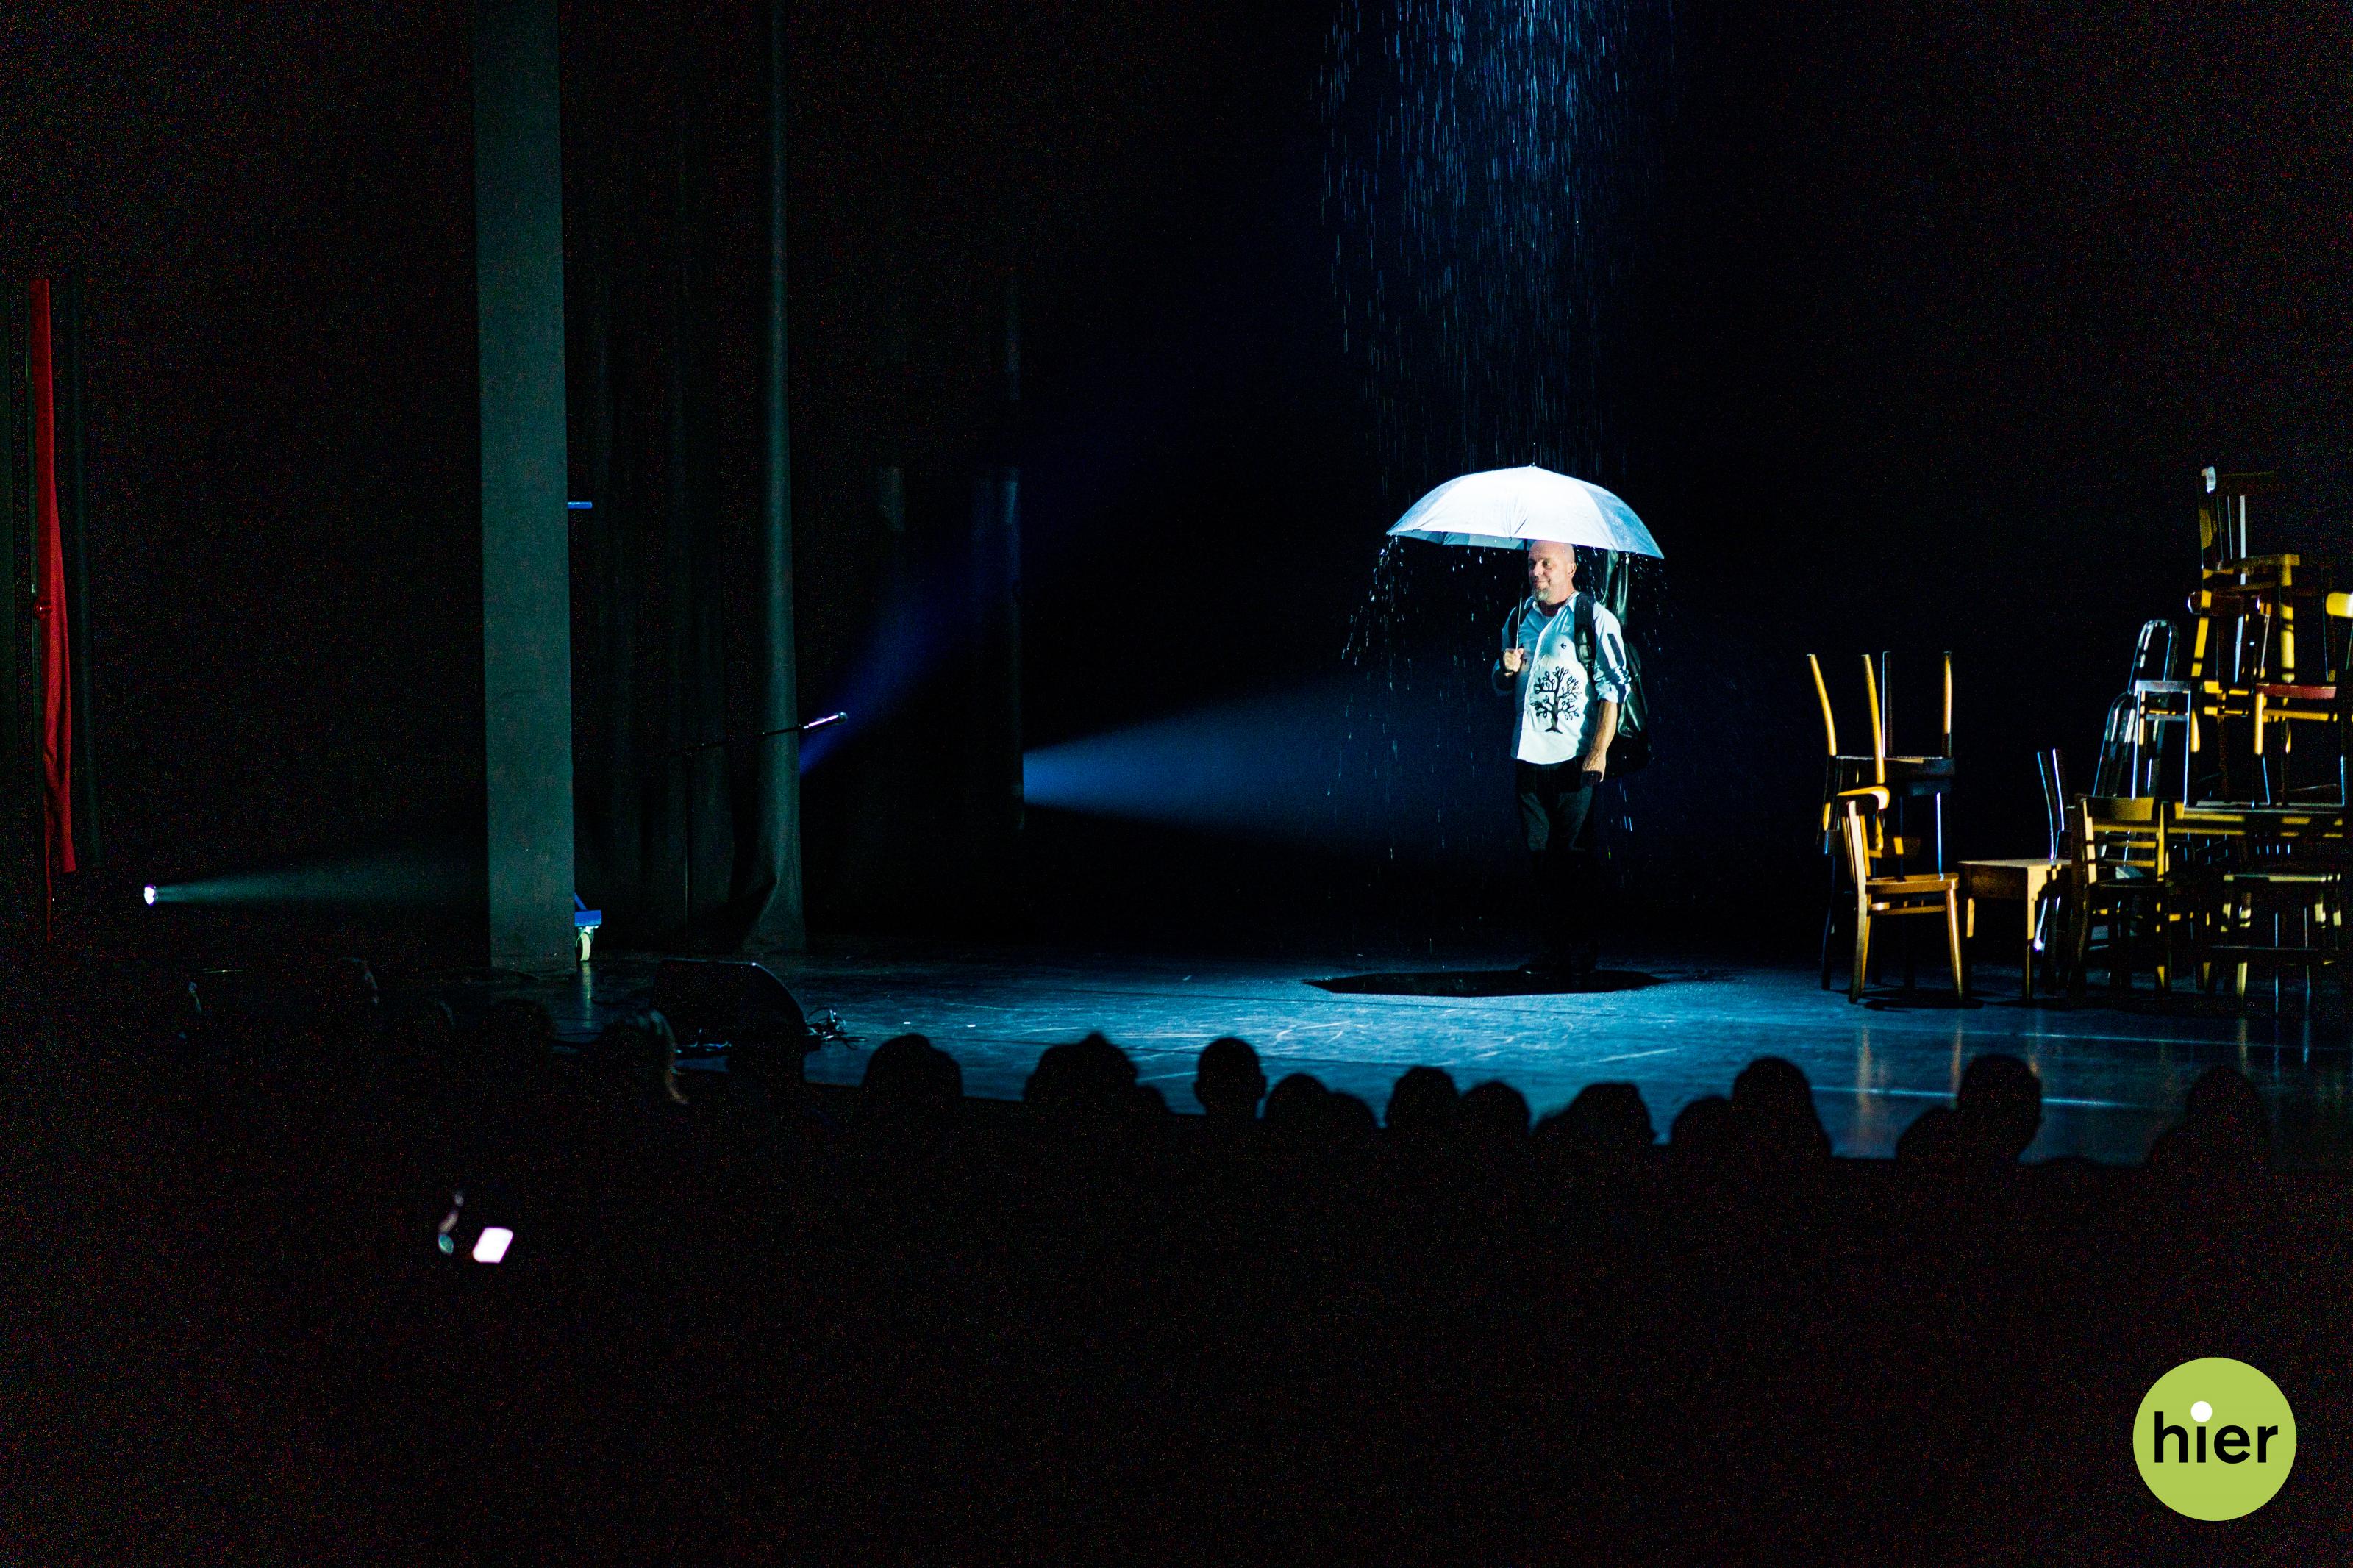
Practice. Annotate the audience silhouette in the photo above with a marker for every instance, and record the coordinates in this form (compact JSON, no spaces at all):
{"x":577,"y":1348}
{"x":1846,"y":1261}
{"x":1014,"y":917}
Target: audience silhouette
{"x":1706,"y":1135}
{"x":1228,"y":1084}
{"x":911,"y":1085}
{"x":1604,"y":1119}
{"x":1294,"y":1105}
{"x":1423,"y":1104}
{"x":1990,"y":1123}
{"x":1495,"y":1112}
{"x":1773,"y":1107}
{"x":2224,"y":1131}
{"x":755,"y":1281}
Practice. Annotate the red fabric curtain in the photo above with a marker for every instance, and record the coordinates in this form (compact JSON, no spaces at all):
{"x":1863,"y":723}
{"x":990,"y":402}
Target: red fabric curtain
{"x":50,"y":603}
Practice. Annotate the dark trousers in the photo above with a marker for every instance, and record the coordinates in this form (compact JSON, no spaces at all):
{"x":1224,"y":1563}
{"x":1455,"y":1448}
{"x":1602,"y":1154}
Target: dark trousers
{"x":1557,"y":812}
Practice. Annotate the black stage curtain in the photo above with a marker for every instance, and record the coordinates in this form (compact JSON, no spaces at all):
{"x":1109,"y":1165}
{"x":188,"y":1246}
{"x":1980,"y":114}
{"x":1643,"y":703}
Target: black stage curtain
{"x":661,"y":375}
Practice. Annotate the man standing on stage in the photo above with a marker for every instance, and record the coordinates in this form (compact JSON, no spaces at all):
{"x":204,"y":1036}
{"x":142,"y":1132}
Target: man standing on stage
{"x":1564,"y":662}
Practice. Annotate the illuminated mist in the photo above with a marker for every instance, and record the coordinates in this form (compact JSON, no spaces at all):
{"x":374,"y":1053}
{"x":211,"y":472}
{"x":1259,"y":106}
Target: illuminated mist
{"x":407,"y":878}
{"x":1297,"y":767}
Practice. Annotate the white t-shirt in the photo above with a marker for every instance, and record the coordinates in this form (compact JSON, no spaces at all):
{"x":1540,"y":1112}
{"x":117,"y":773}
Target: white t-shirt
{"x":1557,"y":697}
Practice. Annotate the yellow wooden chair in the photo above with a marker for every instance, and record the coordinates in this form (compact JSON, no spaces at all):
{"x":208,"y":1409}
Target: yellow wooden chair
{"x":2125,"y":882}
{"x":1878,"y":897}
{"x":2244,"y":671}
{"x":2275,"y":893}
{"x":1916,"y":777}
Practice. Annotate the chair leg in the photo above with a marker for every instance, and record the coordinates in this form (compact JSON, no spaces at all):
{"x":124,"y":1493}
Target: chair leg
{"x":1830,"y":935}
{"x":1861,"y":951}
{"x":2336,"y":944}
{"x":2055,"y":924}
{"x":2080,"y":939}
{"x":1953,"y":943}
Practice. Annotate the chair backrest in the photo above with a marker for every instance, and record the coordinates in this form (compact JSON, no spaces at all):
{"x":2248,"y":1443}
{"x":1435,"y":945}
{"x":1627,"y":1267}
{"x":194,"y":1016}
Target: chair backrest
{"x":2338,"y":621}
{"x":1864,"y":831}
{"x":2119,"y":838}
{"x":1822,"y":695}
{"x":2222,"y":515}
{"x":1858,"y":830}
{"x":2108,"y":774}
{"x":2055,"y":800}
{"x":1878,"y":698}
{"x":2153,"y":654}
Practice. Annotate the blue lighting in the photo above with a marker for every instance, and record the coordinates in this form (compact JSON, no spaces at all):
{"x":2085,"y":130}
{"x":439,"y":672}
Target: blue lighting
{"x":921,"y":626}
{"x":578,"y":505}
{"x":421,"y":875}
{"x":1316,"y":767}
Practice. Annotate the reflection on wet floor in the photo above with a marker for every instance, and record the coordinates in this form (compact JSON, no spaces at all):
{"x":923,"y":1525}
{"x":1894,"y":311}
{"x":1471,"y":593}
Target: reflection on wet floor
{"x":2114,"y":1070}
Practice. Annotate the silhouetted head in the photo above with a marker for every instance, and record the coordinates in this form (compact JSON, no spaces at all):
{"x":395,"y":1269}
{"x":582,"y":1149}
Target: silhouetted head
{"x":1228,"y":1083}
{"x":1604,"y":1118}
{"x":910,"y":1082}
{"x":1931,"y":1140}
{"x":1775,"y":1109}
{"x":1293,"y":1105}
{"x":1705,"y":1135}
{"x":1495,"y":1112}
{"x":1342,"y":1117}
{"x":1088,"y":1083}
{"x":1423,"y":1104}
{"x":2224,"y":1106}
{"x":2224,"y":1127}
{"x":2001,"y":1106}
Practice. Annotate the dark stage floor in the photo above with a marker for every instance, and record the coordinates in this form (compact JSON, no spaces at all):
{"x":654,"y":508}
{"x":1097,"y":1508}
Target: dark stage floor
{"x":2113,"y":1068}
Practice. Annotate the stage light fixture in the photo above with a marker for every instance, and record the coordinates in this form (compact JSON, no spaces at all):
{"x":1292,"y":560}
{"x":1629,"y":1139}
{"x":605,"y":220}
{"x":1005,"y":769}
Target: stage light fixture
{"x":492,"y":1244}
{"x":148,"y":892}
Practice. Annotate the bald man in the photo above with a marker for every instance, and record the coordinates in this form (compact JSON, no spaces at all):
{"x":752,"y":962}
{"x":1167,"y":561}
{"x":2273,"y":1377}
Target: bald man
{"x":1564,"y":666}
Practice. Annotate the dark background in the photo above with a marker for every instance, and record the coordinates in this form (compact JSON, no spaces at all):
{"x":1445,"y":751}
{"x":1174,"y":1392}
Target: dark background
{"x":1941,"y":312}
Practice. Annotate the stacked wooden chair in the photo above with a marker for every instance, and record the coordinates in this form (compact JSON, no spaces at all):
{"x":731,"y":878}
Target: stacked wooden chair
{"x":2254,"y":684}
{"x":1883,"y":891}
{"x":1880,"y":870}
{"x":2155,"y":709}
{"x":2125,"y":884}
{"x":2271,"y":893}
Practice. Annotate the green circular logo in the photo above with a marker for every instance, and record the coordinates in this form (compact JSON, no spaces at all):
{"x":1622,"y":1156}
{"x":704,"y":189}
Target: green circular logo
{"x":2214,"y":1438}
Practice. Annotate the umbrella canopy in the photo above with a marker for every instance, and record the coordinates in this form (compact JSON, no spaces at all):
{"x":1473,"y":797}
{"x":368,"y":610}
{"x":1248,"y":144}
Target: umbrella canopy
{"x":1504,"y":508}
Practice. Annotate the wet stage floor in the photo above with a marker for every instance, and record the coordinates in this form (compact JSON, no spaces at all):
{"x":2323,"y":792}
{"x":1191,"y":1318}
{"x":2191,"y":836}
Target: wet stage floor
{"x":2114,"y":1070}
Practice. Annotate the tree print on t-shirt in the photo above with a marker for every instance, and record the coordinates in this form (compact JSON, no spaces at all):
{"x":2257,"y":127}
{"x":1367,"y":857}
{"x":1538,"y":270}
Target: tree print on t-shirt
{"x":1556,"y":693}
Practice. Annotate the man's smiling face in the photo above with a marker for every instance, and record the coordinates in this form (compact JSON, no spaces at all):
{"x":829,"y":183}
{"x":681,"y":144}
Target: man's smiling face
{"x":1552,"y":570}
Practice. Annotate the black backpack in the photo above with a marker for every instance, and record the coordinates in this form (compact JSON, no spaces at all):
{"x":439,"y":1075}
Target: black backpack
{"x":1629,"y":750}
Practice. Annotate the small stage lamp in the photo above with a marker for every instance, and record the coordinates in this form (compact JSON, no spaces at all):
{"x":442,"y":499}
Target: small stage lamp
{"x":148,"y":892}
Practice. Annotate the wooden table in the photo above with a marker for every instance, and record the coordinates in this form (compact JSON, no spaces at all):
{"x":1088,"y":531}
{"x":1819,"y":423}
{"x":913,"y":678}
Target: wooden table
{"x":2024,"y":881}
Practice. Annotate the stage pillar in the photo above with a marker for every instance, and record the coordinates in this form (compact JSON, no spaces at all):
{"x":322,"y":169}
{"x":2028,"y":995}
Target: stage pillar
{"x":526,"y":560}
{"x":772,"y":869}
